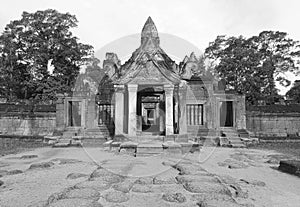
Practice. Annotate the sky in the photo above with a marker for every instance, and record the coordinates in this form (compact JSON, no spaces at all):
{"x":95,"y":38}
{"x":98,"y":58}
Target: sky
{"x":196,"y":22}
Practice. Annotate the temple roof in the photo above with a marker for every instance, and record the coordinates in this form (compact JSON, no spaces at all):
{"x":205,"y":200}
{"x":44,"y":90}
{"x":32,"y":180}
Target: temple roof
{"x":149,"y":51}
{"x":149,"y":29}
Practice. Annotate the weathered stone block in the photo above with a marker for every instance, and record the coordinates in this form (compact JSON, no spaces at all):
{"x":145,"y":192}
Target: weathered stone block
{"x":290,"y":166}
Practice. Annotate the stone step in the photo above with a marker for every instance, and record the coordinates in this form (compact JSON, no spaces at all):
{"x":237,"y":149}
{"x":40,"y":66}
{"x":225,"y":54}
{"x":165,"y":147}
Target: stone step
{"x":238,"y":145}
{"x":237,"y":142}
{"x":93,"y":141}
{"x":65,"y":142}
{"x":149,"y":148}
{"x":243,"y":133}
{"x":62,"y":143}
{"x":224,"y":142}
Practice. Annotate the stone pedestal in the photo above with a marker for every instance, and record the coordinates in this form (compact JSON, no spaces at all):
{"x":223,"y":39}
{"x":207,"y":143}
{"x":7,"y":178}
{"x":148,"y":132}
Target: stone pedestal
{"x":119,"y":109}
{"x":132,"y":102}
{"x":169,"y":109}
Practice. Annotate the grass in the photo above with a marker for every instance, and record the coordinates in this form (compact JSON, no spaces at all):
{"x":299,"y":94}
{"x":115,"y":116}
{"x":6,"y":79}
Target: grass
{"x":287,"y":148}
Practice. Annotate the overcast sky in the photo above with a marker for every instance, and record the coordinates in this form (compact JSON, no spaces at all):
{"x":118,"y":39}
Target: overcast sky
{"x":197,"y":21}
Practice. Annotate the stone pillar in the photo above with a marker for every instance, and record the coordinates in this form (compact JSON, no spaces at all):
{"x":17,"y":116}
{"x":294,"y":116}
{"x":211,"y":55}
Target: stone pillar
{"x":119,"y":109}
{"x":176,"y":109}
{"x":161,"y":114}
{"x":182,"y":108}
{"x":91,"y":113}
{"x":169,"y":109}
{"x":60,"y":113}
{"x":132,"y":102}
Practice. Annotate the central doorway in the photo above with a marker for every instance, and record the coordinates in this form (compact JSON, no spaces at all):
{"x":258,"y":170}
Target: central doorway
{"x":150,"y":117}
{"x":226,"y":114}
{"x":150,"y":112}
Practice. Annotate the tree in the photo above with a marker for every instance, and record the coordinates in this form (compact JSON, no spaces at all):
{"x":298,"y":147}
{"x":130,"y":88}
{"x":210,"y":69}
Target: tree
{"x":294,"y":92}
{"x":252,"y":65}
{"x":29,"y":47}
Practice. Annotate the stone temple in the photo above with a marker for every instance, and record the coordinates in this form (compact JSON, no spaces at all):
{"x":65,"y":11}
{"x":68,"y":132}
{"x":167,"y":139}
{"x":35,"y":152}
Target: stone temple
{"x":150,"y":96}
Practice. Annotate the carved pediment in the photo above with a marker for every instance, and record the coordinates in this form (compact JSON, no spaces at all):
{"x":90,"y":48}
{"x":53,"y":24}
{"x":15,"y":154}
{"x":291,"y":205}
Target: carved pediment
{"x":149,"y":74}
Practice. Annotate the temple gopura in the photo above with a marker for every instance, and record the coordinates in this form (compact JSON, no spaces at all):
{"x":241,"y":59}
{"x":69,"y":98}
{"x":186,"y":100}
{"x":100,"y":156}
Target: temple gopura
{"x":149,"y":96}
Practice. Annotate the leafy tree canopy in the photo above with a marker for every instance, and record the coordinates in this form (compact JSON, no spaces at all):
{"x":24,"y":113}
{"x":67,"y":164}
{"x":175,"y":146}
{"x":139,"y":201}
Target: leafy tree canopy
{"x":39,"y":56}
{"x":252,"y":65}
{"x":294,"y":92}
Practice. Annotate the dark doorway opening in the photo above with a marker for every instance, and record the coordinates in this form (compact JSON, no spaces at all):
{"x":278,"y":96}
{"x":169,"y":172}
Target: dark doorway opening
{"x":74,"y":113}
{"x":226,"y":114}
{"x":149,"y":112}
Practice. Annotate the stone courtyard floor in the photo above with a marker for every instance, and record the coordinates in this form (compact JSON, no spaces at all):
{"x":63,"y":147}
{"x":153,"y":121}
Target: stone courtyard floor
{"x":96,"y":177}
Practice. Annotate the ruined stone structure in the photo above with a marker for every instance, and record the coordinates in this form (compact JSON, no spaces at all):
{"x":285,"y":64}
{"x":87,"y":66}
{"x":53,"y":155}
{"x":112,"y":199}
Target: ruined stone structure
{"x":149,"y":95}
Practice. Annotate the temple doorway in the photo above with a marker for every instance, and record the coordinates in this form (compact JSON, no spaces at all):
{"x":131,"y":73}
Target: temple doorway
{"x":150,"y":114}
{"x":74,"y":113}
{"x":226,"y":114}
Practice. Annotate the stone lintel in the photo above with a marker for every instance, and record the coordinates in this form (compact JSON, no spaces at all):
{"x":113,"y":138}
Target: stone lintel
{"x":119,"y":88}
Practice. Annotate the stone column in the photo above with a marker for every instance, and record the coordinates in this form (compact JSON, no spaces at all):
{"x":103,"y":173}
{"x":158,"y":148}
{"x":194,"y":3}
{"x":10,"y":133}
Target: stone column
{"x":182,"y":107}
{"x":60,"y":113}
{"x":119,"y":109}
{"x":161,"y":114}
{"x":169,"y":109}
{"x":132,"y":101}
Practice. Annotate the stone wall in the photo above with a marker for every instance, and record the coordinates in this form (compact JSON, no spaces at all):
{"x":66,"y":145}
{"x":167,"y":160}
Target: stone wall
{"x":263,"y":124}
{"x":34,"y":124}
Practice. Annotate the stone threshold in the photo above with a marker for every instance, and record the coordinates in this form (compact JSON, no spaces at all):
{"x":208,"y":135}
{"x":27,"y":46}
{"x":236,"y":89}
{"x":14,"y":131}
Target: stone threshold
{"x":143,"y":149}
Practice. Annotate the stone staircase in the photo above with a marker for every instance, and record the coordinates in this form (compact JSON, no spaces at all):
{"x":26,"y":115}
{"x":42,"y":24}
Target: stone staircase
{"x":230,"y":138}
{"x":152,"y":147}
{"x":79,"y":137}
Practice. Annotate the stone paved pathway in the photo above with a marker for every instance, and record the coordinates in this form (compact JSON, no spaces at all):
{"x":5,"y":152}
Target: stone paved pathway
{"x":183,"y":184}
{"x":95,"y":177}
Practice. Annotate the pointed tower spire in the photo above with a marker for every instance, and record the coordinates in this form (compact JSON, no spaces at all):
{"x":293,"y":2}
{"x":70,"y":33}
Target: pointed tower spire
{"x":149,"y":34}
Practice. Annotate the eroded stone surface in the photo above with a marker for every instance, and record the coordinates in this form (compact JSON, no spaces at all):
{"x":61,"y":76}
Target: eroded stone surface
{"x":116,"y":197}
{"x":75,"y":202}
{"x":139,"y":188}
{"x":124,"y":186}
{"x":211,"y":196}
{"x":76,"y":175}
{"x":164,"y":178}
{"x":186,"y":169}
{"x":3,"y":172}
{"x":1,"y":183}
{"x":238,"y":191}
{"x":204,"y":187}
{"x":174,"y":197}
{"x":112,"y":178}
{"x":254,"y":182}
{"x":28,"y":157}
{"x":38,"y":204}
{"x":41,"y":165}
{"x":98,"y":185}
{"x":195,"y":178}
{"x":63,"y":161}
{"x":213,"y":203}
{"x":145,"y":180}
{"x":233,"y":164}
{"x":86,"y":193}
{"x":100,"y":172}
{"x":14,"y":172}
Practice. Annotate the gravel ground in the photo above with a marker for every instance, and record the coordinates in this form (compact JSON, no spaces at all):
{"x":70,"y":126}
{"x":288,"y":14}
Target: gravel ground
{"x":96,"y":177}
